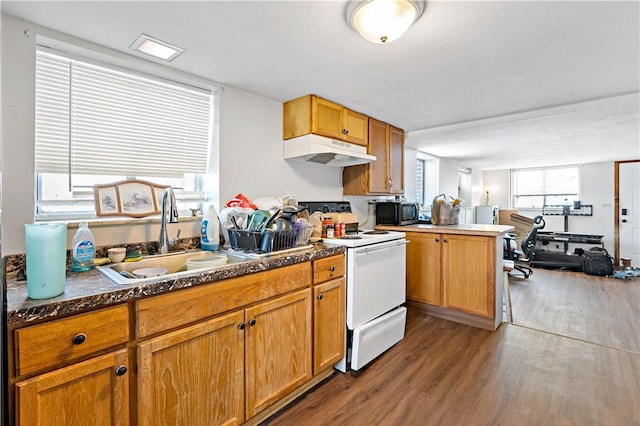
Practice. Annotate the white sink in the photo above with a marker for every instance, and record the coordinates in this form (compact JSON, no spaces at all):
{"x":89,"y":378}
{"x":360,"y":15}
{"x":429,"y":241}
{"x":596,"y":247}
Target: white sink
{"x":174,"y":263}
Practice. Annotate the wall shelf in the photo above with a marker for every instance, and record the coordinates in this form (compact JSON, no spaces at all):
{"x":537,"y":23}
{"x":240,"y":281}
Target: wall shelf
{"x":558,"y":210}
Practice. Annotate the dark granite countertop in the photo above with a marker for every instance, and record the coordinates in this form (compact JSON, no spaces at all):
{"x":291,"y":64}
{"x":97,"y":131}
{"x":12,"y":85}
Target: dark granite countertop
{"x":88,"y":290}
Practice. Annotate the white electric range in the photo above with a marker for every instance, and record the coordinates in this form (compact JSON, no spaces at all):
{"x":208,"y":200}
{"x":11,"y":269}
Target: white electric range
{"x":375,"y":292}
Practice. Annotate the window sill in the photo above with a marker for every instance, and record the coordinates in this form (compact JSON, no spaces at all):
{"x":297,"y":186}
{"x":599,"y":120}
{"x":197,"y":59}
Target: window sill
{"x":103,"y":222}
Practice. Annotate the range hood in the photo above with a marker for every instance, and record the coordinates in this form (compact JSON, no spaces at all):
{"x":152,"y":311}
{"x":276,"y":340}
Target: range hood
{"x":323,"y":150}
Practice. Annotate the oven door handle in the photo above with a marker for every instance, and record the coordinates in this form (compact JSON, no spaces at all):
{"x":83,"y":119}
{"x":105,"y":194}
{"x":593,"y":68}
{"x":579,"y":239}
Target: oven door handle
{"x":381,"y":246}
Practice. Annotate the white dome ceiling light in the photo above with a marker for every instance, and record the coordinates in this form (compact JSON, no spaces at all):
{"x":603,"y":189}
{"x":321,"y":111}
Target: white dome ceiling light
{"x":382,"y":21}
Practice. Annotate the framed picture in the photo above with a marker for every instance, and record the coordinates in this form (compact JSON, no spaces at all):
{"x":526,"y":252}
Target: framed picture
{"x":107,"y":202}
{"x":134,"y":198}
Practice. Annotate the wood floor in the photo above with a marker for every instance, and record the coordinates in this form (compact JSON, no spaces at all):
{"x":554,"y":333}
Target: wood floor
{"x":444,"y":373}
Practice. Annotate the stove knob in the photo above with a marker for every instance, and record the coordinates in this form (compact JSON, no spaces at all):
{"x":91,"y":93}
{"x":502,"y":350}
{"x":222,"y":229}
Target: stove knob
{"x":325,"y":209}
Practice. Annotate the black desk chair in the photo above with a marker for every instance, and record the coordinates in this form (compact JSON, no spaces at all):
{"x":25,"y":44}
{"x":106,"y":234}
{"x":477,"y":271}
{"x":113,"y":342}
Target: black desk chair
{"x":528,"y":245}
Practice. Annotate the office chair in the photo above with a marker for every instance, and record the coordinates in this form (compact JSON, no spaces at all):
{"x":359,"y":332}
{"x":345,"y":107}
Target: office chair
{"x":528,"y":245}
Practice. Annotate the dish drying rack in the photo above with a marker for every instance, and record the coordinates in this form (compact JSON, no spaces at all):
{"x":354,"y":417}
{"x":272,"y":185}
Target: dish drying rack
{"x":251,"y":241}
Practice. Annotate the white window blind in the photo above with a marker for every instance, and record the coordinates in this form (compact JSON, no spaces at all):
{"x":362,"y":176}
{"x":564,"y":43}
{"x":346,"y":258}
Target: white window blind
{"x":535,"y":188}
{"x":420,"y":181}
{"x":96,"y":120}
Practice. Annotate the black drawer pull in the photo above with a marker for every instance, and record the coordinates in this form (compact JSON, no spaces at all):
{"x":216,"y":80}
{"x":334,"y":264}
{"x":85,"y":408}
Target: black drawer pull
{"x":121,"y":371}
{"x":320,"y":296}
{"x":252,"y":322}
{"x":79,"y":338}
{"x":241,"y":326}
{"x":332,"y":268}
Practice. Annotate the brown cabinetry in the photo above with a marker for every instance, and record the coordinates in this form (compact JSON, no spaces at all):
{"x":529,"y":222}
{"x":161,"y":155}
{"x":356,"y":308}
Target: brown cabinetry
{"x":91,"y":392}
{"x":179,"y":372}
{"x":278,"y":345}
{"x":329,"y":310}
{"x":219,"y":353}
{"x":386,"y":174}
{"x":452,"y":271}
{"x":312,"y":114}
{"x":73,"y":371}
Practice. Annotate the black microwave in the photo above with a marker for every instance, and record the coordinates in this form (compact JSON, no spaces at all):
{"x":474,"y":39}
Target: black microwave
{"x":396,"y":213}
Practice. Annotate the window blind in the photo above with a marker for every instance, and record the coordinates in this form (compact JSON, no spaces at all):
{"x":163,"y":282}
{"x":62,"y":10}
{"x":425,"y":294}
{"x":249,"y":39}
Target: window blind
{"x":551,"y":181}
{"x":96,"y":120}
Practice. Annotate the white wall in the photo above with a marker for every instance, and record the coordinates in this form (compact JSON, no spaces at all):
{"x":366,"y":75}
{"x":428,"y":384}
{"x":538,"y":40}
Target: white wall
{"x":596,"y":188}
{"x":250,"y":159}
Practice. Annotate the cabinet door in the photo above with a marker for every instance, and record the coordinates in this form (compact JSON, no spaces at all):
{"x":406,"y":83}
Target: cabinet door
{"x":396,"y":160}
{"x":326,"y":118}
{"x":468,"y":268}
{"x":378,"y":170}
{"x":193,"y":376}
{"x":278,"y":347}
{"x":423,"y":268}
{"x":93,"y":392}
{"x":329,"y":324}
{"x":357,"y":126}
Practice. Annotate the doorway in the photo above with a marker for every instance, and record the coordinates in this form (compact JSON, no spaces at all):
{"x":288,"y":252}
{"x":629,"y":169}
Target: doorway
{"x":627,"y":211}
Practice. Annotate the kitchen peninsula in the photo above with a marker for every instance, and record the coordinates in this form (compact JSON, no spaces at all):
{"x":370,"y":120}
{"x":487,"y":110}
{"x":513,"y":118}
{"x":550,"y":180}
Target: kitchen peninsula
{"x":455,"y":271}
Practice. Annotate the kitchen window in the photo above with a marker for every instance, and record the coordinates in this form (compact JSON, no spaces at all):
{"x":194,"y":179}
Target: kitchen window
{"x":535,"y":188}
{"x":97,"y":123}
{"x":420,"y":181}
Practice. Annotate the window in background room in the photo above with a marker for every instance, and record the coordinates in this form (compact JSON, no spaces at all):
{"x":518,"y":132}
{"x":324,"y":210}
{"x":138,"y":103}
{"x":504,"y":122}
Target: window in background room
{"x":535,"y":188}
{"x":420,"y":182}
{"x":97,"y":123}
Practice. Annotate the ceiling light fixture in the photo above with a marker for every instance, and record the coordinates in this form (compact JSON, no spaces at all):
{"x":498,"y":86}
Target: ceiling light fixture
{"x":382,"y":21}
{"x":156,"y":48}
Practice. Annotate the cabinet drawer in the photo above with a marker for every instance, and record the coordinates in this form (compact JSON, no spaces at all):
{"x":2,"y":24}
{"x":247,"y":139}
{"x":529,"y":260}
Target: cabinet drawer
{"x":165,"y":312}
{"x":328,"y":268}
{"x":57,"y":342}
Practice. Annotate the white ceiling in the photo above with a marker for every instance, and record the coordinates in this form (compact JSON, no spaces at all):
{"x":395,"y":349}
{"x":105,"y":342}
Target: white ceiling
{"x":483,"y":83}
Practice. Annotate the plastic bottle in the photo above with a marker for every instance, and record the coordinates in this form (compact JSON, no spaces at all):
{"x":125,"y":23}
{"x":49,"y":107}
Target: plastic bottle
{"x":83,"y":249}
{"x":210,"y":230}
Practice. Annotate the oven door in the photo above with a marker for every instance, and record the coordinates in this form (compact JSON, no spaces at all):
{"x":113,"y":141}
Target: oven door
{"x":375,"y":280}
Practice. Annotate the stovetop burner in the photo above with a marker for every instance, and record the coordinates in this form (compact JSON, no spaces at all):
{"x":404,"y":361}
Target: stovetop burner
{"x":376,"y":232}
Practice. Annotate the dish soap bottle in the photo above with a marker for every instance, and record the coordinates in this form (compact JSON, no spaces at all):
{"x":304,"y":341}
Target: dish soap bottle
{"x":210,"y":230}
{"x":83,"y":249}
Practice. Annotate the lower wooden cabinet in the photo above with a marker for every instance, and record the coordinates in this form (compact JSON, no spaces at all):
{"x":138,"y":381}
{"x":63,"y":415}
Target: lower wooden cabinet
{"x":452,"y":271}
{"x":278,"y":344}
{"x":469,"y":274}
{"x":329,"y":324}
{"x":208,"y":373}
{"x":193,"y":376}
{"x":424,"y":282}
{"x":92,"y":392}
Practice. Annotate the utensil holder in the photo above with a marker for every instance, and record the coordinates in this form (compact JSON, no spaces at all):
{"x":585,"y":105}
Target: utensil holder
{"x":244,"y":239}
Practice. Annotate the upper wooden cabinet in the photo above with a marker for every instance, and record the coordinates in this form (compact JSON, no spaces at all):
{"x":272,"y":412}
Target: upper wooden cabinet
{"x":311,"y":114}
{"x":386,"y":174}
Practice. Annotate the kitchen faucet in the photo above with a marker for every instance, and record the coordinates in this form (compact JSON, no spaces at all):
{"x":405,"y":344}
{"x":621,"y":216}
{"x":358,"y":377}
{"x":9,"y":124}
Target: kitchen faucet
{"x":168,"y":203}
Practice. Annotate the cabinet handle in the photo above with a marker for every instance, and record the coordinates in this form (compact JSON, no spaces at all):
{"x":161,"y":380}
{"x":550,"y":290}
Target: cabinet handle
{"x":445,"y":240}
{"x":437,"y":240}
{"x":252,"y":322}
{"x":121,"y":371}
{"x":79,"y":338}
{"x":241,"y":326}
{"x":332,"y":268}
{"x":320,"y":296}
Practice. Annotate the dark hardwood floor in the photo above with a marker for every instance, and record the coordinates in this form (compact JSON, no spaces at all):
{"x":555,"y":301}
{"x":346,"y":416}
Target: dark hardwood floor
{"x":444,"y":373}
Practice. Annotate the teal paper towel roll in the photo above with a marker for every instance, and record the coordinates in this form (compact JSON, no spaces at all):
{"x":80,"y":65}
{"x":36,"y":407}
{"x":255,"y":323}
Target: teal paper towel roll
{"x":46,"y":246}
